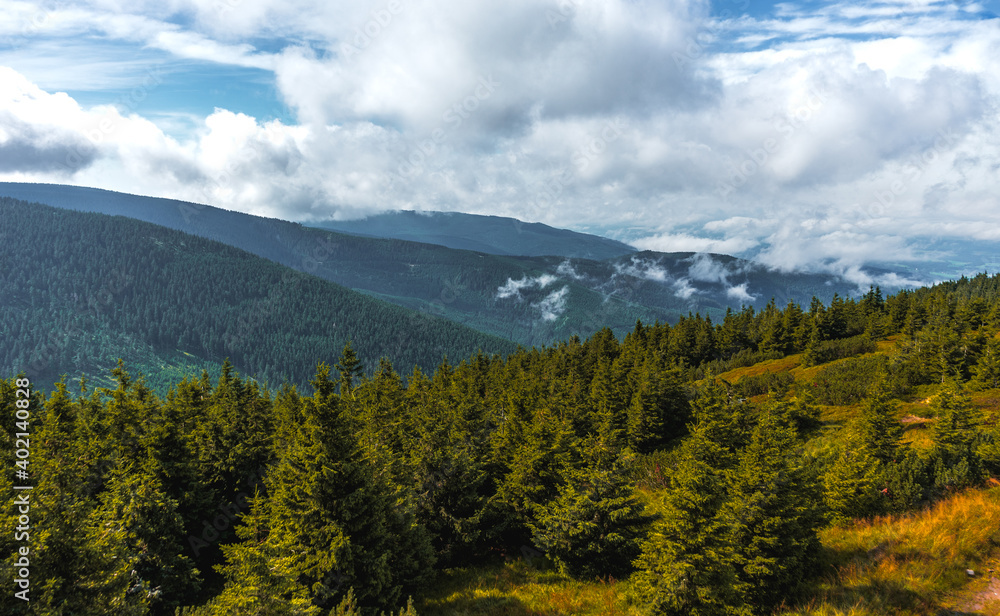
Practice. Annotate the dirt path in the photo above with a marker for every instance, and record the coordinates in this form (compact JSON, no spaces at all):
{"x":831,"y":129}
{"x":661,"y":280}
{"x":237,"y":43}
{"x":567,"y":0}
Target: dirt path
{"x":984,"y":602}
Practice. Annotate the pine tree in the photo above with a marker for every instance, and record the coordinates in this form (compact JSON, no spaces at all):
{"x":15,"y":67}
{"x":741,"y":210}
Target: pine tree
{"x":956,"y":458}
{"x":773,"y":516}
{"x":686,"y":567}
{"x":954,"y":426}
{"x":593,"y":525}
{"x":811,"y":356}
{"x":262,"y":572}
{"x":138,"y":532}
{"x":879,"y":429}
{"x":328,"y":515}
{"x":987,"y":370}
{"x":350,"y":369}
{"x":853,"y":485}
{"x":659,"y":409}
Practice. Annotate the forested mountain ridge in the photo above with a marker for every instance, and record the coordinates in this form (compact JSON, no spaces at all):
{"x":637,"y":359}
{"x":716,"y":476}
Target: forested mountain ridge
{"x":528,"y":300}
{"x":497,"y":235}
{"x":81,"y":290}
{"x":734,"y":467}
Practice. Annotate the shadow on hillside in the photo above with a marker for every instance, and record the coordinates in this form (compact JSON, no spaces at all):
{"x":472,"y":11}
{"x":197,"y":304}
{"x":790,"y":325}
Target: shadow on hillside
{"x":884,"y":597}
{"x":486,"y":606}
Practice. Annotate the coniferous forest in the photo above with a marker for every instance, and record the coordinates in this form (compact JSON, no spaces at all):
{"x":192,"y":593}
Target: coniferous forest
{"x":696,"y":466}
{"x":81,"y":290}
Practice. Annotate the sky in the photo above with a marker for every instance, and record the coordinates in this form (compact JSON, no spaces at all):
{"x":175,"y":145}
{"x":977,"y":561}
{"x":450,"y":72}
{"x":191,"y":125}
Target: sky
{"x":807,"y":135}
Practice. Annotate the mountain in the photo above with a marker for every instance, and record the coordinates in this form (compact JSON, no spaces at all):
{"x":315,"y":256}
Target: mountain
{"x":531,"y":300}
{"x":490,"y":234}
{"x":82,"y":289}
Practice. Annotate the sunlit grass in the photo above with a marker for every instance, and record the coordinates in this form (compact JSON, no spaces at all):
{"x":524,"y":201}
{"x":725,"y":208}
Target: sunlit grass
{"x":772,"y":365}
{"x":913,"y":564}
{"x":517,"y":588}
{"x":909,"y":564}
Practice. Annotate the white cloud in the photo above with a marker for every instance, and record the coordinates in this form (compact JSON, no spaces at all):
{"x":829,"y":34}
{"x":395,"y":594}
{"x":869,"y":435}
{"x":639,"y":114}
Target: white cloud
{"x":704,"y":268}
{"x":824,"y":136}
{"x":647,"y":269}
{"x":740,"y":293}
{"x":553,"y":305}
{"x":566,"y":269}
{"x":513,"y":287}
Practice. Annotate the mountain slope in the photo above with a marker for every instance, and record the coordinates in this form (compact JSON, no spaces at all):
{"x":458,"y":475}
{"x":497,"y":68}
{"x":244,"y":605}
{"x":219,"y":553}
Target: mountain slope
{"x":529,"y":300}
{"x":491,"y":234}
{"x":82,"y":289}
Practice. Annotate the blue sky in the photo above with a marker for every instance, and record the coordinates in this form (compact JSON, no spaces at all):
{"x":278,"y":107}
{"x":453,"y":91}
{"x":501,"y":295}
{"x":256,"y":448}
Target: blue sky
{"x":819,"y":135}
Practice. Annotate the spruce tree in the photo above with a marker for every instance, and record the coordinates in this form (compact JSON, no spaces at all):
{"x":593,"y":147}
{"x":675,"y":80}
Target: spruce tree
{"x":330,"y":521}
{"x":956,"y":458}
{"x":987,"y":370}
{"x":350,"y":369}
{"x":686,"y":567}
{"x":853,"y":484}
{"x":262,"y":571}
{"x":773,"y":516}
{"x":878,"y":428}
{"x":138,"y":533}
{"x":593,"y":525}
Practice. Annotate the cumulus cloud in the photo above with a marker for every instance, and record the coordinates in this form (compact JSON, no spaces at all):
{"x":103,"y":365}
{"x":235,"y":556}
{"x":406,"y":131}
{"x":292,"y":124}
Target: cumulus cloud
{"x":28,"y":147}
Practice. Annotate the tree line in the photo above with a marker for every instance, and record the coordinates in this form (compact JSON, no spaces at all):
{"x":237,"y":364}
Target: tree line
{"x":624,"y":458}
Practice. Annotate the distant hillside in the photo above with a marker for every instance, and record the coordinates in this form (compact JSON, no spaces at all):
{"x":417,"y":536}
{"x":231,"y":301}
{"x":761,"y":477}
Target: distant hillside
{"x":490,"y":234}
{"x":81,"y":290}
{"x":530,"y":300}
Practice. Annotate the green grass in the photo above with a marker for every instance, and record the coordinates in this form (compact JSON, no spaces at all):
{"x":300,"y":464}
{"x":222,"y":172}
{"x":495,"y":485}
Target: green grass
{"x":517,"y":588}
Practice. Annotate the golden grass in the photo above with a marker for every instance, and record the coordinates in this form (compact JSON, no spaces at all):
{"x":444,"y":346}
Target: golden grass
{"x":516,"y":588}
{"x":911,"y":564}
{"x":784,"y":364}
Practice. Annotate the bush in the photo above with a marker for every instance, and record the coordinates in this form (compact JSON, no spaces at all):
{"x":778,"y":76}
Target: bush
{"x":831,"y":350}
{"x":744,"y":359}
{"x":760,"y":384}
{"x":848,"y":382}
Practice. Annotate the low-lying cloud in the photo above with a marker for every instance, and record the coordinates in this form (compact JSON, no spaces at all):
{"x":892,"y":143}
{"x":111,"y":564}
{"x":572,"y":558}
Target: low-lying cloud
{"x":513,"y":288}
{"x":554,"y":304}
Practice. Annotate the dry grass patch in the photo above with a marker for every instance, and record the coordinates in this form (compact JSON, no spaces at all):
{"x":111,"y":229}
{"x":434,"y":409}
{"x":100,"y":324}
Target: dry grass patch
{"x":785,"y":364}
{"x":910,"y":564}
